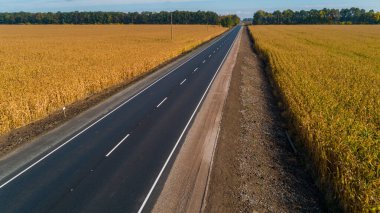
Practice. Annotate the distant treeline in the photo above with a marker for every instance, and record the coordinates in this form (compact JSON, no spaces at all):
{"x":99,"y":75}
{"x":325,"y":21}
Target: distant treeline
{"x":324,"y":16}
{"x":229,"y":20}
{"x":179,"y":17}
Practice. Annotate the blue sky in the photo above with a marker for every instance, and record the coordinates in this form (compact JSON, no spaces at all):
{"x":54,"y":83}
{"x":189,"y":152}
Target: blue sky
{"x":244,"y":8}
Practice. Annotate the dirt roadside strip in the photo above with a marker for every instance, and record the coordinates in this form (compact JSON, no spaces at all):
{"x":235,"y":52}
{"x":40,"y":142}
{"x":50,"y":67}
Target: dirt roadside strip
{"x":185,"y":186}
{"x":254,"y":168}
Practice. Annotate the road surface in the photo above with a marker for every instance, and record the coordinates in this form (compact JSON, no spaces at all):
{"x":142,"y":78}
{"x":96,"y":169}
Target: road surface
{"x":115,"y":163}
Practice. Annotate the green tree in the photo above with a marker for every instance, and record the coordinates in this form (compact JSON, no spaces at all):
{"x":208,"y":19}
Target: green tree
{"x":324,"y":16}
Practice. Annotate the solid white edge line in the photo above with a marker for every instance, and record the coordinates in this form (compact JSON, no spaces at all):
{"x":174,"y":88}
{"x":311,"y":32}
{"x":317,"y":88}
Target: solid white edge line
{"x":182,"y":82}
{"x":161,"y":102}
{"x":110,"y":152}
{"x":106,"y":115}
{"x":184,"y":130}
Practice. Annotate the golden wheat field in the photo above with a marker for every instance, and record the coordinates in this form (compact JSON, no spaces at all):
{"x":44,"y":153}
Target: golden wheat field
{"x":43,"y":68}
{"x":329,"y":77}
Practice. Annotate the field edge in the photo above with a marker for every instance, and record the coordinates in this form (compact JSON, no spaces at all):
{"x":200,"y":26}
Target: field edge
{"x":330,"y":201}
{"x":17,"y":137}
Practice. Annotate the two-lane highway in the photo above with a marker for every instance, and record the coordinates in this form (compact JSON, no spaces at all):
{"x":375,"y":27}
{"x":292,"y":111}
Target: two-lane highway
{"x":115,"y":163}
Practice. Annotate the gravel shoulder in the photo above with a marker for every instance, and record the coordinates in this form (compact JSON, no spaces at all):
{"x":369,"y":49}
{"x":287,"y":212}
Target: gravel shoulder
{"x":254,"y":168}
{"x":186,"y":183}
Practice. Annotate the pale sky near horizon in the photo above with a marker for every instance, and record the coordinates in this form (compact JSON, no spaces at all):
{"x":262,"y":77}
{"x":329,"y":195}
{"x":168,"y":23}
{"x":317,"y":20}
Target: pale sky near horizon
{"x":243,"y":8}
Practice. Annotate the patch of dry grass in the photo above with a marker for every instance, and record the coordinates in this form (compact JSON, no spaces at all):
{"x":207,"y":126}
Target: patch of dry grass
{"x":43,"y":68}
{"x":329,"y":77}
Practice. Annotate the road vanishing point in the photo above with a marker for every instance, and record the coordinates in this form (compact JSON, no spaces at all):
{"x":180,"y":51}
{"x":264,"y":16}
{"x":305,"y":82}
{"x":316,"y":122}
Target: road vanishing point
{"x":117,"y":162}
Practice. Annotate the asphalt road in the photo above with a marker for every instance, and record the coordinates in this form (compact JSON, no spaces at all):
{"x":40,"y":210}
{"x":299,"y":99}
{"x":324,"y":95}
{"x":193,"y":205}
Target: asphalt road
{"x":115,"y":163}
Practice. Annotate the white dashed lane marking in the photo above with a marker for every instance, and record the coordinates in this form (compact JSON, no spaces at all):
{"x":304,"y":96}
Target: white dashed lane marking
{"x":162,"y":102}
{"x":182,"y":82}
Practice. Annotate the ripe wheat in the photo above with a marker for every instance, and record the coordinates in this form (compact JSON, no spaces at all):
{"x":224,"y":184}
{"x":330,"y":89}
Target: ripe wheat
{"x":329,"y":77}
{"x":43,"y":68}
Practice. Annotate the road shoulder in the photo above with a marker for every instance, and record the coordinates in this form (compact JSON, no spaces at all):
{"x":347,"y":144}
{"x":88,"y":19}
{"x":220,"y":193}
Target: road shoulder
{"x":254,"y":167}
{"x":186,"y":183}
{"x":28,"y":150}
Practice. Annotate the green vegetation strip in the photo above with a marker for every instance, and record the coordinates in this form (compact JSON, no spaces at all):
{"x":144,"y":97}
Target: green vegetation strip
{"x":325,"y":16}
